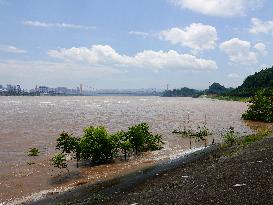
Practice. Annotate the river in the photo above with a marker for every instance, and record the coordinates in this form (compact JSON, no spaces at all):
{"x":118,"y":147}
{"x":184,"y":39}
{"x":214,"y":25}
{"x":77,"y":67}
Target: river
{"x":27,"y":122}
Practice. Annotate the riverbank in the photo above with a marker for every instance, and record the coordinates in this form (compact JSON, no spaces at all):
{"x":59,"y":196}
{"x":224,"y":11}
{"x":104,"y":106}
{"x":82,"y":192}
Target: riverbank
{"x":226,"y":98}
{"x":241,"y":174}
{"x":236,"y":176}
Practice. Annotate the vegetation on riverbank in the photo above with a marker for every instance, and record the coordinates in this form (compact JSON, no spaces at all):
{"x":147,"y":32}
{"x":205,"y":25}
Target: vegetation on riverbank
{"x":227,"y":98}
{"x":214,"y":89}
{"x":260,"y":109}
{"x":99,"y":146}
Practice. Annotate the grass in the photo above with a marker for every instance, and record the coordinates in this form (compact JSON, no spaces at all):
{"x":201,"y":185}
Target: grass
{"x":228,"y":98}
{"x":261,"y":134}
{"x":231,"y":149}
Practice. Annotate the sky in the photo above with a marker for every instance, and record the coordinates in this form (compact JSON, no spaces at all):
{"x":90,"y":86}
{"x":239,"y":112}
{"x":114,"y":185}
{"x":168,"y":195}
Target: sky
{"x":118,"y":44}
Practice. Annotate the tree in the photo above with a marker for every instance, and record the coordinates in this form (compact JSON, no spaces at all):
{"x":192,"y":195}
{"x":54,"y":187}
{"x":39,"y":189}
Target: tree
{"x":59,"y":160}
{"x":260,"y":109}
{"x":96,"y":144}
{"x":121,"y":140}
{"x":69,"y":144}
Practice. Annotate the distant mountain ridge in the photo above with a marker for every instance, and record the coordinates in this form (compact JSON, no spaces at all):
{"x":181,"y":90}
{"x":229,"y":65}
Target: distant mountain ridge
{"x":214,"y":89}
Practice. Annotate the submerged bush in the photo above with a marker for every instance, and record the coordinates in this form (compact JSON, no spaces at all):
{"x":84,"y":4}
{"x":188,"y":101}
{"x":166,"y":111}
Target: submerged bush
{"x":99,"y":146}
{"x":33,"y":152}
{"x":69,"y":144}
{"x":260,"y":109}
{"x":142,"y":139}
{"x":202,"y":132}
{"x":122,"y":143}
{"x":59,"y":160}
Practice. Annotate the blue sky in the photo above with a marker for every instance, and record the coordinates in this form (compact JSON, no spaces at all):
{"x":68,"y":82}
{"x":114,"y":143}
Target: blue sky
{"x":134,"y":44}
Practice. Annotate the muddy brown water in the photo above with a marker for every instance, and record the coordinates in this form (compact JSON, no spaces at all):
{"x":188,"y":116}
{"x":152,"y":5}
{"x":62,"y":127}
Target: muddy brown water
{"x":27,"y":122}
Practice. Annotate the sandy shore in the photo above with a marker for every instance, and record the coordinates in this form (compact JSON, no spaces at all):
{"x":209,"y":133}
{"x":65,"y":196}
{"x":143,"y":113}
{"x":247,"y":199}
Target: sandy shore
{"x":213,"y":176}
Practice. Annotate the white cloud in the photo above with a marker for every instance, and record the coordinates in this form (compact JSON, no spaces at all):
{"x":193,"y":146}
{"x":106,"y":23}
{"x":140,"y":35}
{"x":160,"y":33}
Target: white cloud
{"x":104,"y":55}
{"x":11,"y":49}
{"x":56,"y":25}
{"x":239,"y":51}
{"x":222,"y":8}
{"x":233,"y":75}
{"x":139,"y":33}
{"x":259,"y":26}
{"x":45,"y":71}
{"x":261,"y":48}
{"x":197,"y":36}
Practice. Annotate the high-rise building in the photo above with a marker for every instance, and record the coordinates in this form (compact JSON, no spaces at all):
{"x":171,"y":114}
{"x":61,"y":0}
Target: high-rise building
{"x":81,"y":89}
{"x":43,"y":89}
{"x":18,"y":89}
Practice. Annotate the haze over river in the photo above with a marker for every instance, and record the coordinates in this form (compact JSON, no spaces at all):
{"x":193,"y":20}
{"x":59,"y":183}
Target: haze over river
{"x":27,"y":122}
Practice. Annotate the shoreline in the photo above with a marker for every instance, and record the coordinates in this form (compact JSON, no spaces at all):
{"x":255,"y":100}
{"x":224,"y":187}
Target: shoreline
{"x":114,"y":191}
{"x":127,"y":181}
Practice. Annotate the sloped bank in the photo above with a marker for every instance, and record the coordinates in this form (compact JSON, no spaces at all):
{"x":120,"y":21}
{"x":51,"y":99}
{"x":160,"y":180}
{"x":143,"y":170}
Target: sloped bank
{"x":242,"y":176}
{"x":101,"y":191}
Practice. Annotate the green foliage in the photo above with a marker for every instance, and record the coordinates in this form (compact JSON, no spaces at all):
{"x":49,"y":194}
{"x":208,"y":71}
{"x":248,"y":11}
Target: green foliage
{"x":59,"y":160}
{"x":33,"y":152}
{"x":183,"y":92}
{"x":260,"y":109}
{"x":217,"y":89}
{"x":202,"y":132}
{"x":230,"y":137}
{"x":99,"y":146}
{"x":122,"y":143}
{"x":251,"y":138}
{"x":142,"y":139}
{"x":261,"y":134}
{"x":66,"y":142}
{"x":254,"y":83}
{"x":69,"y":144}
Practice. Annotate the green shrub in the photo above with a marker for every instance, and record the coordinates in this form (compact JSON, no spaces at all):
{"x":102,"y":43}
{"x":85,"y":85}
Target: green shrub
{"x":69,"y":144}
{"x":33,"y":152}
{"x":202,"y":132}
{"x":122,"y":143}
{"x":59,"y":160}
{"x":97,"y":145}
{"x":260,"y":109}
{"x":230,"y":137}
{"x":142,"y":139}
{"x":153,"y":142}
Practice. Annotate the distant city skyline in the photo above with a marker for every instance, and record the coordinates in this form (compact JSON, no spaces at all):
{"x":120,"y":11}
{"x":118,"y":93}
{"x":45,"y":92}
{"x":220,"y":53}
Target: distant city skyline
{"x":134,"y":44}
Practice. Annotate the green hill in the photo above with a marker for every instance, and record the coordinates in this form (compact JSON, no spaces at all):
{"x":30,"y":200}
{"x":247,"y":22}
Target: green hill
{"x":183,"y":92}
{"x":217,"y":89}
{"x":253,"y":83}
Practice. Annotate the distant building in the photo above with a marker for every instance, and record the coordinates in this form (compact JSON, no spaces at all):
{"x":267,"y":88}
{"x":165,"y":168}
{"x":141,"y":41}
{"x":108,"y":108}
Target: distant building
{"x":43,"y":89}
{"x":81,"y":89}
{"x":61,"y":90}
{"x":18,"y":89}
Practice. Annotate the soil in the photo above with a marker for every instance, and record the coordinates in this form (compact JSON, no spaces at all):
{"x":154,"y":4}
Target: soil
{"x":244,"y":178}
